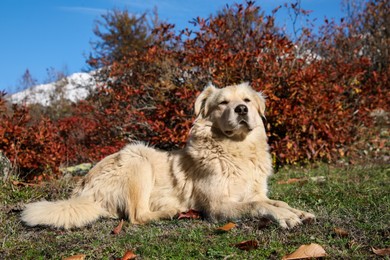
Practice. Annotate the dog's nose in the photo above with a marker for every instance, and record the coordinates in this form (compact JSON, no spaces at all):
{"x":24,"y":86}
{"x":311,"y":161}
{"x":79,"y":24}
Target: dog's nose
{"x":242,"y":110}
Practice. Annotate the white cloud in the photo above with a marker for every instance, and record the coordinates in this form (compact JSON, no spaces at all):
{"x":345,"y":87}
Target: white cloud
{"x":83,"y":10}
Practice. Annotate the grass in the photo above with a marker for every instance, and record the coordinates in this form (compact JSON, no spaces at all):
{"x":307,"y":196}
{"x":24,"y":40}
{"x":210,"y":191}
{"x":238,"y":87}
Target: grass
{"x":356,"y":199}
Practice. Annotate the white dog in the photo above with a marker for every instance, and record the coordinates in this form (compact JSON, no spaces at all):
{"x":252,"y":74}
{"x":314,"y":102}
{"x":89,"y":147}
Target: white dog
{"x":222,"y":172}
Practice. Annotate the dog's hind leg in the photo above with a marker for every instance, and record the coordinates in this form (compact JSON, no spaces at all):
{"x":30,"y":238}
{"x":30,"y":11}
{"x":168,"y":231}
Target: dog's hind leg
{"x":141,"y":183}
{"x":156,"y":215}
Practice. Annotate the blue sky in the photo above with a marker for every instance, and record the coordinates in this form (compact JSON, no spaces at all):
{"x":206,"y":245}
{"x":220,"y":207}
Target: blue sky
{"x":38,"y":34}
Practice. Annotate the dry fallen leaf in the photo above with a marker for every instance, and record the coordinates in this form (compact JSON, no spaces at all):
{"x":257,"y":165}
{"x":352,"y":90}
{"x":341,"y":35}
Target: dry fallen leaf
{"x":118,"y":228}
{"x":75,"y":257}
{"x":129,"y":255}
{"x":306,"y":251}
{"x":191,"y":214}
{"x":24,"y":184}
{"x":227,"y":227}
{"x":247,"y":245}
{"x":340,"y":232}
{"x":381,"y":251}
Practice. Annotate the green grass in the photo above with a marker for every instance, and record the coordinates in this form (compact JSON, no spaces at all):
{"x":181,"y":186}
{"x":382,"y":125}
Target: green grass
{"x":356,"y":199}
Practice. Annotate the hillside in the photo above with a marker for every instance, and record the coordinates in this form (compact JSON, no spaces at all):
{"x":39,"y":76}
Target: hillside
{"x":73,"y":88}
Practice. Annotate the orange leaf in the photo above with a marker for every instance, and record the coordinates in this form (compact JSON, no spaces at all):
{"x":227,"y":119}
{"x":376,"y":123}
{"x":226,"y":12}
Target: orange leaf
{"x":382,"y":251}
{"x":191,"y":214}
{"x":118,"y":228}
{"x":247,"y":245}
{"x":227,"y":227}
{"x":129,"y":255}
{"x":340,"y":232}
{"x":75,"y":257}
{"x":19,"y":183}
{"x":306,"y":251}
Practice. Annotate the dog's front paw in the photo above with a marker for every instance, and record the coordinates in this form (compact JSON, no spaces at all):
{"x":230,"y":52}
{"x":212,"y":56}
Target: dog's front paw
{"x":305,"y":217}
{"x":286,"y":218}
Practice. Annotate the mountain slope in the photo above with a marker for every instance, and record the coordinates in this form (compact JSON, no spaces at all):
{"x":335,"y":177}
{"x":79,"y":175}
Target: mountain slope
{"x":73,"y":88}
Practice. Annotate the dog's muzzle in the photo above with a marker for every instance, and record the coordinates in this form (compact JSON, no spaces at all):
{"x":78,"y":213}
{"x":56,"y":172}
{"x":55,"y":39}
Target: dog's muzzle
{"x":242,"y":110}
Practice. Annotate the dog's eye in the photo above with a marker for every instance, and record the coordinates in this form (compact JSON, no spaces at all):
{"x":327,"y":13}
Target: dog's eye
{"x":247,"y":100}
{"x":225,"y":102}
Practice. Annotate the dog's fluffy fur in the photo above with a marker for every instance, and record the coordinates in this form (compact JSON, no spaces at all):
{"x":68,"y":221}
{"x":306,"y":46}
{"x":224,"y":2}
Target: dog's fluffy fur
{"x":222,"y":172}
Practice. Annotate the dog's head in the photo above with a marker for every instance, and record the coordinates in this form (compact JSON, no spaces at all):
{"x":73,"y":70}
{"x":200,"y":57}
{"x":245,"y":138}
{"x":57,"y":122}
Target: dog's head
{"x":234,"y":110}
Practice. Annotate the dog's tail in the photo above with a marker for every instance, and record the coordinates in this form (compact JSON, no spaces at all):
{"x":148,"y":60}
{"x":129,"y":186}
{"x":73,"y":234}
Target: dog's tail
{"x":74,"y":212}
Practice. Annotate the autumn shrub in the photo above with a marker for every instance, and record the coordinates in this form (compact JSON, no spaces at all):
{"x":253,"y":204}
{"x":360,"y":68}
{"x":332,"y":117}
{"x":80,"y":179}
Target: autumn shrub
{"x":132,"y":106}
{"x":34,"y":147}
{"x":316,"y":104}
{"x":86,"y":137}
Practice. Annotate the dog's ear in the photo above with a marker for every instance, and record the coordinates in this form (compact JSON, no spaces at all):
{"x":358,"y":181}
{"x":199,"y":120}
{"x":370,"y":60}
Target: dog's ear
{"x":200,"y":103}
{"x":260,"y":102}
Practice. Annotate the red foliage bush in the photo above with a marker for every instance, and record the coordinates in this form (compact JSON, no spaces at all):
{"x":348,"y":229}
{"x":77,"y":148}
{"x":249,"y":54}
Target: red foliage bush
{"x":33,"y":146}
{"x":86,"y":137}
{"x":315,"y":106}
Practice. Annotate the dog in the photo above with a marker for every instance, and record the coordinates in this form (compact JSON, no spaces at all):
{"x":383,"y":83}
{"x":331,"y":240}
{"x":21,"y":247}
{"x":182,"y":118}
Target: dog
{"x":222,"y":172}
